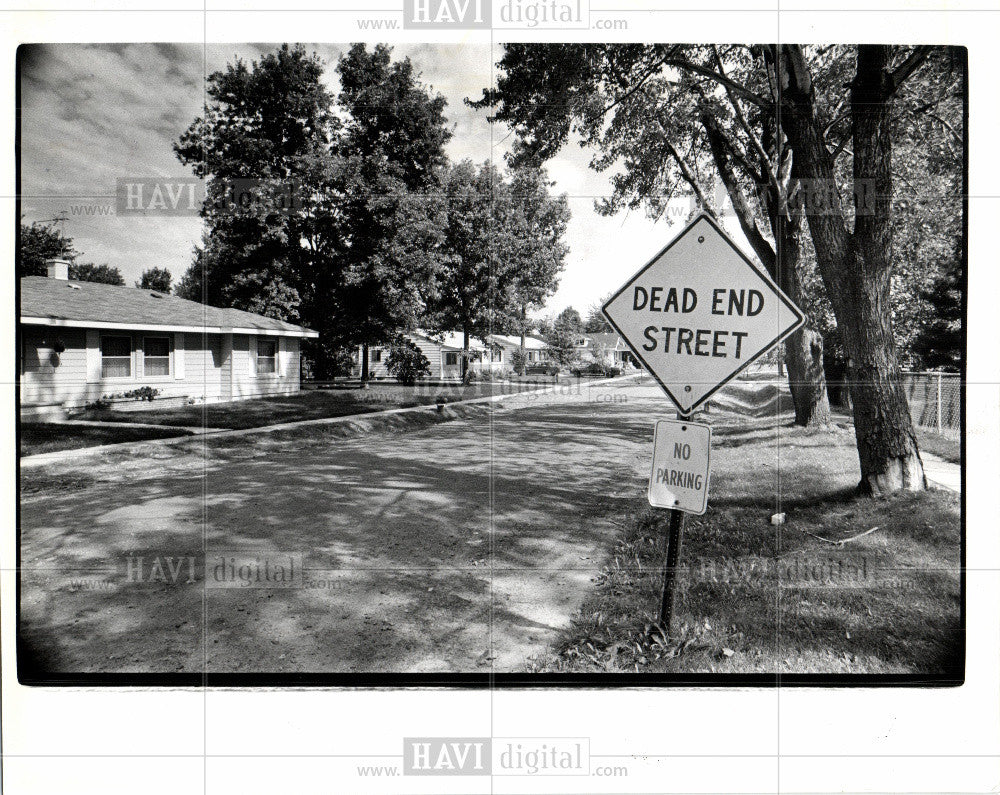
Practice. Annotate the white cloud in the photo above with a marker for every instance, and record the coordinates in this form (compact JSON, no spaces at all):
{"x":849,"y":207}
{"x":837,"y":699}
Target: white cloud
{"x":94,"y":113}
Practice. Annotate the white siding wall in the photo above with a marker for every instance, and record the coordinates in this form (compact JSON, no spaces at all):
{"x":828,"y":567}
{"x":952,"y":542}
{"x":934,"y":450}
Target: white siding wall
{"x":74,"y":376}
{"x":432,"y":351}
{"x":247,"y":383}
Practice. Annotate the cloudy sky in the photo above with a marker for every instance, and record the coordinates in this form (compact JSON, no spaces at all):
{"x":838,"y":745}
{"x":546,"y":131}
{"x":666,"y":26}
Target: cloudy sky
{"x":92,"y":114}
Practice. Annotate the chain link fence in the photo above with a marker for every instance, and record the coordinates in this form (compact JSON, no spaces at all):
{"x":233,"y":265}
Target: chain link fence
{"x":935,"y":400}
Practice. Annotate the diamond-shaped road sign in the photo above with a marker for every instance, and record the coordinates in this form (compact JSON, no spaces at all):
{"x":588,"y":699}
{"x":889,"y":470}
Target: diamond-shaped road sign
{"x":699,"y":312}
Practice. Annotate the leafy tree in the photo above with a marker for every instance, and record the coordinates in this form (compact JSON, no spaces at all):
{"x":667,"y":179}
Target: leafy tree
{"x":789,"y":113}
{"x":158,"y":279}
{"x":571,"y":319}
{"x":939,"y":343}
{"x":596,"y":323}
{"x":337,"y":230}
{"x":473,"y":272}
{"x":88,"y":272}
{"x":856,"y":264}
{"x":392,"y":145}
{"x":38,"y":242}
{"x":679,"y":123}
{"x":406,"y":362}
{"x":264,"y":147}
{"x":537,"y":251}
{"x":562,"y":337}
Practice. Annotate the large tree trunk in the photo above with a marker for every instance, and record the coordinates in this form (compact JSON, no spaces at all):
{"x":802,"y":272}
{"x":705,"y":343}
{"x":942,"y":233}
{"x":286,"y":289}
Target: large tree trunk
{"x":887,"y":447}
{"x":804,"y":348}
{"x":806,"y":378}
{"x":364,"y":365}
{"x":856,"y":268}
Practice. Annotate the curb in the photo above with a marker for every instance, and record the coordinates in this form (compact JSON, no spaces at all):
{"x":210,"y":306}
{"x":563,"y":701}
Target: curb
{"x":84,"y":452}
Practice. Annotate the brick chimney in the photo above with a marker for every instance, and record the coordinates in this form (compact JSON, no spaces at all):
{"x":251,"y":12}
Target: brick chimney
{"x":57,"y":269}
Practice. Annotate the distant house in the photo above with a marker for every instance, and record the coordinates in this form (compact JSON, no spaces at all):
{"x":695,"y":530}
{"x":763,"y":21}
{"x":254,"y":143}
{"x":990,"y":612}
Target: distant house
{"x":81,"y":341}
{"x":536,"y":350}
{"x":444,"y":352}
{"x":605,"y":348}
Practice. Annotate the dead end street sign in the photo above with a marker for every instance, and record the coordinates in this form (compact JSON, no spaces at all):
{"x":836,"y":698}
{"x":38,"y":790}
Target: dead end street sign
{"x":700,"y":312}
{"x":680,"y":475}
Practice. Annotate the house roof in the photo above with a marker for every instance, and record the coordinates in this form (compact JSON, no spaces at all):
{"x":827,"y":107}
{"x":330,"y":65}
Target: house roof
{"x":451,"y":339}
{"x":607,"y":340}
{"x":530,"y":343}
{"x":58,"y":302}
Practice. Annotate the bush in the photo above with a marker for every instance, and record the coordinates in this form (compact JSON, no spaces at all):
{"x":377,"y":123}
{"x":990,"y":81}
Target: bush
{"x":518,"y":360}
{"x":407,"y":363}
{"x":142,"y":393}
{"x":543,"y":368}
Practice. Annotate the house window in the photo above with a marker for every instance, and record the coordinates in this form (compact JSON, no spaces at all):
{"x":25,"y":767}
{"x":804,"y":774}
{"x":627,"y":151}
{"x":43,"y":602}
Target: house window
{"x":376,"y":354}
{"x":499,"y":356}
{"x":156,"y":356}
{"x":451,"y":359}
{"x":267,"y":351}
{"x":116,"y":357}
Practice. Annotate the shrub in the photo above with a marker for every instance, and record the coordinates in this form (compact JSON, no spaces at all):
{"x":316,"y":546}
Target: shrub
{"x":142,"y":393}
{"x":518,"y":360}
{"x":407,"y":363}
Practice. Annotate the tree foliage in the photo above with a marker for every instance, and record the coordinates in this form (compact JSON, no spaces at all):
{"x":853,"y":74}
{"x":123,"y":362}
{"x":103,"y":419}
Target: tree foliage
{"x":38,"y":242}
{"x":88,"y":272}
{"x":563,"y":335}
{"x":938,"y":344}
{"x":158,"y":279}
{"x":596,"y":322}
{"x":406,"y":362}
{"x":771,"y":123}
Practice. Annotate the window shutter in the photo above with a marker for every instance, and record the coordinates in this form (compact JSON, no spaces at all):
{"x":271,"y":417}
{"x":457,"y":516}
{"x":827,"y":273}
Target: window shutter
{"x":179,"y":356}
{"x":93,"y":356}
{"x":252,"y":356}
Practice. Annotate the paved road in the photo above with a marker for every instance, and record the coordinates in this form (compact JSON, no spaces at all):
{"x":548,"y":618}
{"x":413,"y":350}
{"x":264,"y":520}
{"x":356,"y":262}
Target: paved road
{"x":466,"y":545}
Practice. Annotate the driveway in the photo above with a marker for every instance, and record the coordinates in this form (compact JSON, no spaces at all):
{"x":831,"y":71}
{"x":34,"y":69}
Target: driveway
{"x":465,"y":546}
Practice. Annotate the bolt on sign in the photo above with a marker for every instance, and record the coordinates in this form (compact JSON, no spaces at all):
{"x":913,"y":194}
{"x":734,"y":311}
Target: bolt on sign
{"x":679,"y":479}
{"x":699,"y":312}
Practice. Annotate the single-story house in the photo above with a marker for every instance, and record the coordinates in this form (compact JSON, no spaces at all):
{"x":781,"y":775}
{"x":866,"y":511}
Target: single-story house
{"x":535,"y":350}
{"x":605,"y":348}
{"x":444,"y":352}
{"x":81,"y":341}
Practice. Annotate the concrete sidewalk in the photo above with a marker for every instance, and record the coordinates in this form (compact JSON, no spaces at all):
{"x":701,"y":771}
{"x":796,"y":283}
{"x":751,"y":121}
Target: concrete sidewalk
{"x":941,"y":473}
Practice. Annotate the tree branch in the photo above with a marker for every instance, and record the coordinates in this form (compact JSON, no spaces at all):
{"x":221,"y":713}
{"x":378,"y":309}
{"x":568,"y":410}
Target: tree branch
{"x":767,"y":167}
{"x":748,"y":223}
{"x":704,"y":71}
{"x":912,"y":62}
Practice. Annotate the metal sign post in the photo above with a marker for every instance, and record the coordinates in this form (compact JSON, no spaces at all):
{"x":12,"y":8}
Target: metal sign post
{"x":675,"y":533}
{"x":678,"y":481}
{"x":695,"y":316}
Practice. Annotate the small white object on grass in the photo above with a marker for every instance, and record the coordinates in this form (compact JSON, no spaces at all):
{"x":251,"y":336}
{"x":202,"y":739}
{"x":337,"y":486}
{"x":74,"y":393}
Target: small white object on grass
{"x":778,"y":518}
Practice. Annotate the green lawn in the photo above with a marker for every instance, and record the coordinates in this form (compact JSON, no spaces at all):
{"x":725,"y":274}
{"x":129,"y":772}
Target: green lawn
{"x":310,"y":404}
{"x":48,"y":437}
{"x":947,"y":447}
{"x":758,"y":598}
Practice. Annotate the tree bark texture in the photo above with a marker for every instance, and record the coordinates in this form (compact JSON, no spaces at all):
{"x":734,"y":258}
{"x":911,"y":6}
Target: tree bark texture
{"x":806,"y":377}
{"x":856,"y":267}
